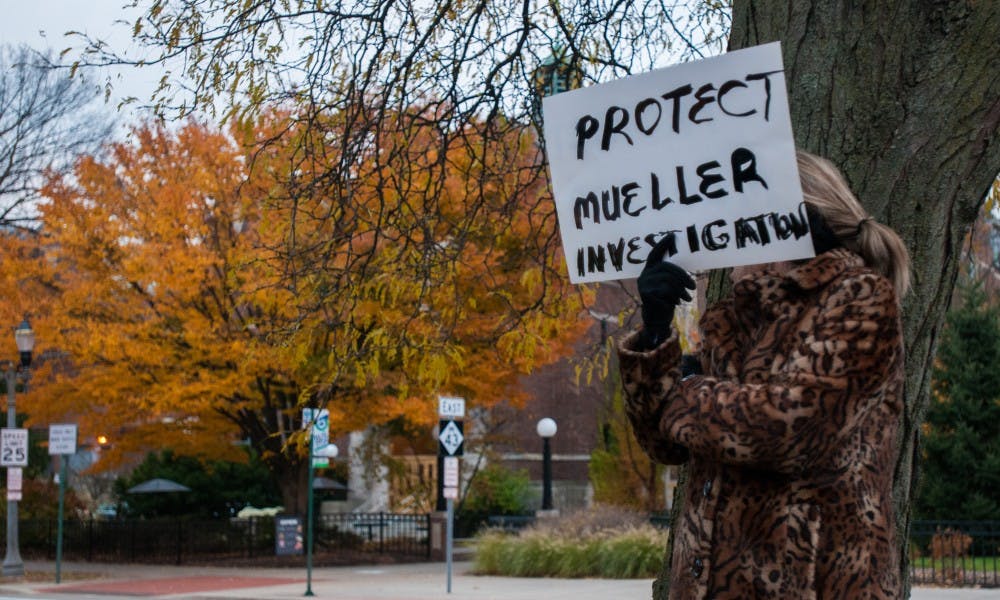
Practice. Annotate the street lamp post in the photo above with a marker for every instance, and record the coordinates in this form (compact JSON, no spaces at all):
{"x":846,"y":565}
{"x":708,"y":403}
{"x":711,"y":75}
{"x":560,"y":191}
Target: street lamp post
{"x":546,"y":429}
{"x":330,"y":451}
{"x":24,"y":337}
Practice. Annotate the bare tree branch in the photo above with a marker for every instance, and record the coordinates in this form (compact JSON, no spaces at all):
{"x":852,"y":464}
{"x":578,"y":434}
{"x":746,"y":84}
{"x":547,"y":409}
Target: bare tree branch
{"x":46,"y":120}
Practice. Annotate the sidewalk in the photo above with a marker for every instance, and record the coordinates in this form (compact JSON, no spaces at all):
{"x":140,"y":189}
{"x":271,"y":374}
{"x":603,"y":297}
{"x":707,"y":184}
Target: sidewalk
{"x":423,"y":581}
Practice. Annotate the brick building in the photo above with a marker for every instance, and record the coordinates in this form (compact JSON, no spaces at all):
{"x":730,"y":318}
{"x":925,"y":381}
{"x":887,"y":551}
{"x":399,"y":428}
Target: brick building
{"x":574,"y":403}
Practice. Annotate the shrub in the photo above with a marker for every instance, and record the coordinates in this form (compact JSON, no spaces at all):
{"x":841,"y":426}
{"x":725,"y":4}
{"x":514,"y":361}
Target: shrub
{"x":40,"y":500}
{"x":621,"y":473}
{"x":961,"y":433}
{"x":602,"y":542}
{"x":950,"y":544}
{"x":495,"y":490}
{"x":218,"y":488}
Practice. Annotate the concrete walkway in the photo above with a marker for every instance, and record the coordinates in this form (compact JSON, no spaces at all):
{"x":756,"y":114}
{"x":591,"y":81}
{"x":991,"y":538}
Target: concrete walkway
{"x":424,"y":581}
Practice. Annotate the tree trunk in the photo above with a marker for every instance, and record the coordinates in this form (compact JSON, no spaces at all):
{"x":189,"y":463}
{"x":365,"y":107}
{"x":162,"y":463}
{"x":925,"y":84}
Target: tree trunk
{"x":905,"y":98}
{"x":294,"y":486}
{"x":290,"y":472}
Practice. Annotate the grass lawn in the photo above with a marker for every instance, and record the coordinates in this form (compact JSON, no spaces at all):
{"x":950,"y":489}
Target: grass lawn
{"x":978,"y":563}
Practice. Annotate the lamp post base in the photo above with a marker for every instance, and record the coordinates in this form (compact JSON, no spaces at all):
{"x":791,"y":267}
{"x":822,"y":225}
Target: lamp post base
{"x":13,"y":566}
{"x":13,"y":569}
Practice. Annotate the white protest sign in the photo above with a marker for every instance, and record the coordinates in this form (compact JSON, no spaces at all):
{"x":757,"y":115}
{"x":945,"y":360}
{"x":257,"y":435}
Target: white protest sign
{"x":701,"y":153}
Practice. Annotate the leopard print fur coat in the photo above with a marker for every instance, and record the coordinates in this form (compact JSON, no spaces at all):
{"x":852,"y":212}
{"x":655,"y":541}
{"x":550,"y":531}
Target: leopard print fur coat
{"x":790,"y":435}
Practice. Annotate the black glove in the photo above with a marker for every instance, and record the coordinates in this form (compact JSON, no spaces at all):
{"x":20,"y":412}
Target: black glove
{"x":661,"y":288}
{"x":822,"y":236}
{"x":690,"y":365}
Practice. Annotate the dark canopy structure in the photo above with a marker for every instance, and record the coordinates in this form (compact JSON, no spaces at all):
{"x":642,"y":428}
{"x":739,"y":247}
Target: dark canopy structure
{"x":158,"y":486}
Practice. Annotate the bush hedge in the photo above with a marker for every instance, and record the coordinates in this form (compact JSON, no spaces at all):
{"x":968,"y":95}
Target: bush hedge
{"x":493,"y":491}
{"x":583,"y":545}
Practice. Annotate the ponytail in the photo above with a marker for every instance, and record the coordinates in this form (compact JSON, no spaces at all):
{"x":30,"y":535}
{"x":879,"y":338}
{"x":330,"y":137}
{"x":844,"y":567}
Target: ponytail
{"x":824,"y":188}
{"x":883,"y":251}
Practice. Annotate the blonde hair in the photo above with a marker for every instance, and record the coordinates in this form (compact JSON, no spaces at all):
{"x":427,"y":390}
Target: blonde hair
{"x":825,"y":189}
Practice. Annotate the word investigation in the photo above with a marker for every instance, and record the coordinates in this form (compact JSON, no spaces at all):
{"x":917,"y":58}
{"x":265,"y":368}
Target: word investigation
{"x":708,"y":181}
{"x":757,"y":230}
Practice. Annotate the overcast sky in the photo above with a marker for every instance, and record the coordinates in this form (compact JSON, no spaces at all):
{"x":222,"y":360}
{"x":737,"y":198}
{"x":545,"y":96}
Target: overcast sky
{"x":42,"y":24}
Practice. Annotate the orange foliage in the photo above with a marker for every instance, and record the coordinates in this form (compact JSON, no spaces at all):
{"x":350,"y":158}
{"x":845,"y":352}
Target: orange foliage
{"x":192,"y":291}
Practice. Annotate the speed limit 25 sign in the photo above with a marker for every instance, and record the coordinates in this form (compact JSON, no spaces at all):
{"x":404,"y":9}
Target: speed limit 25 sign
{"x":13,"y":447}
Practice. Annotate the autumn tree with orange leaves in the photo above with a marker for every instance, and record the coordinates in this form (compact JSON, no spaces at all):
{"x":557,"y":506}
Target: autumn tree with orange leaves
{"x":200,"y":294}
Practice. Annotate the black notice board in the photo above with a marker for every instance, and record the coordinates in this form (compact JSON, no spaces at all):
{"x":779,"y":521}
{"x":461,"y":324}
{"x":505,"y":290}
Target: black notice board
{"x":288,"y":539}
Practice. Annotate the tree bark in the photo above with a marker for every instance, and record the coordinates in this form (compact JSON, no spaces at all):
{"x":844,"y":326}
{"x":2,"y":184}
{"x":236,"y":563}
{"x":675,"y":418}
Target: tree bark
{"x":295,"y":488}
{"x":291,"y":473}
{"x":905,"y":98}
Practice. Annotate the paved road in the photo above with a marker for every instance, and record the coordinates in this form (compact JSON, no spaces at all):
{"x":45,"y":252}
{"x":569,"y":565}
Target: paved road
{"x":396,"y":582}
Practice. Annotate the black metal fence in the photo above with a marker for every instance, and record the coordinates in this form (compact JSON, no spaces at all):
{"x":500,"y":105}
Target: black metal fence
{"x":949,"y":553}
{"x":955,"y":553}
{"x":943,"y":553}
{"x":349,"y":536}
{"x":510,"y":523}
{"x":515,"y":523}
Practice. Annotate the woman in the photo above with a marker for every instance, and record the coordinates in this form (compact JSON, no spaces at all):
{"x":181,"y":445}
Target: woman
{"x":791,"y":429}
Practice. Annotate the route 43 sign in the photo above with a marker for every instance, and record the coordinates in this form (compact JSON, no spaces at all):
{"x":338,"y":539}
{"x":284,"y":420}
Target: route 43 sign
{"x":451,"y":438}
{"x":13,"y":447}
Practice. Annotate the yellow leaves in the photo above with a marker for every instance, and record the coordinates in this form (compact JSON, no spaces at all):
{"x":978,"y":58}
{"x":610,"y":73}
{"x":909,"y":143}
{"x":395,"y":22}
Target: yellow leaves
{"x":531,"y":280}
{"x":518,"y":347}
{"x":156,"y":9}
{"x":686,"y":322}
{"x":435,"y":368}
{"x":144,"y":303}
{"x":992,"y":197}
{"x":190,"y":280}
{"x":368,"y":366}
{"x":977,"y":243}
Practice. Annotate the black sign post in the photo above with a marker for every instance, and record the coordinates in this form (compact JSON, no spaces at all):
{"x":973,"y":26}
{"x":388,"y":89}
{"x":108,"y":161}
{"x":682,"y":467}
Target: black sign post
{"x":451,"y":443}
{"x":440,"y":505}
{"x":446,"y":440}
